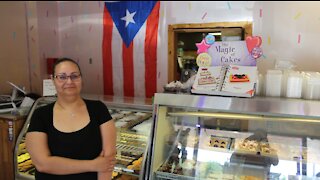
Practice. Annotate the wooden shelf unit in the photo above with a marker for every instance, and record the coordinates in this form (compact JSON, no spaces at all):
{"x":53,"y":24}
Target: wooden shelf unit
{"x":10,"y":127}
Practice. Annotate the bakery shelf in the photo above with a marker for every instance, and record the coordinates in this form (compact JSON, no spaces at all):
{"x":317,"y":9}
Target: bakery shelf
{"x":132,"y":139}
{"x":262,"y":137}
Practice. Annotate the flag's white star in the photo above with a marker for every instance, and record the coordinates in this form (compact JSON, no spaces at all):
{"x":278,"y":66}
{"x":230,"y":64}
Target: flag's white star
{"x":129,"y":17}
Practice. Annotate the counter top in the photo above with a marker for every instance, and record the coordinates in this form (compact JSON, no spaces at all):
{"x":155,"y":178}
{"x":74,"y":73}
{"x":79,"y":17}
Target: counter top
{"x":117,"y":101}
{"x":254,"y":105}
{"x":9,"y":116}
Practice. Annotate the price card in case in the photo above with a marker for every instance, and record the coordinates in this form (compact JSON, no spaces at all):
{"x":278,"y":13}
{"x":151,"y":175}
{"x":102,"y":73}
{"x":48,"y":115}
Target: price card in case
{"x":48,"y":88}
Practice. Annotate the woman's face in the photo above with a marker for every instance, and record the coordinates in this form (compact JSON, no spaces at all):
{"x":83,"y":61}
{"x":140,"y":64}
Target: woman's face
{"x":67,"y":79}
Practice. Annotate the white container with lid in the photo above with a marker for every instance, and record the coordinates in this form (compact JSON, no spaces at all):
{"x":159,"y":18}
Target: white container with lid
{"x":293,"y":86}
{"x":311,"y":88}
{"x":273,"y":83}
{"x":259,"y":91}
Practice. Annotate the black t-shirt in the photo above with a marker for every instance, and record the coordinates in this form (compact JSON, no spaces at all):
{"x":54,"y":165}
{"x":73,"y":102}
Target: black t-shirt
{"x":84,"y":144}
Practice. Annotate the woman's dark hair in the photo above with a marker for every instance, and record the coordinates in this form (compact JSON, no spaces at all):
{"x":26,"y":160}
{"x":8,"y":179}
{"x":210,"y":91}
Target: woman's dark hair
{"x":60,"y":60}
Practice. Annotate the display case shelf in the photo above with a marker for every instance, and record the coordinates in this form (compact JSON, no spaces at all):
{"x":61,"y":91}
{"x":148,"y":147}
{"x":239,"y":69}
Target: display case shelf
{"x":133,"y":118}
{"x":163,"y":175}
{"x":234,"y":138}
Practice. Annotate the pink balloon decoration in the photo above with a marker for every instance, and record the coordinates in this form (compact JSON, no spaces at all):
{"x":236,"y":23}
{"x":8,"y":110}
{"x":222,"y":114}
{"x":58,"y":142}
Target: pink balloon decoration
{"x":256,"y":52}
{"x":252,"y":42}
{"x":202,"y":47}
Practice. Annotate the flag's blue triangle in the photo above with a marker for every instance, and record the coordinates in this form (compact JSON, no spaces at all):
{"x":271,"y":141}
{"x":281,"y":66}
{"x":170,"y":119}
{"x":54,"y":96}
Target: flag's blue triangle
{"x":129,"y":16}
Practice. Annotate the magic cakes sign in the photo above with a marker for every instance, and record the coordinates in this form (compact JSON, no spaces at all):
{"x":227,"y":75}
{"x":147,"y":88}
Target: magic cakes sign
{"x":229,"y":52}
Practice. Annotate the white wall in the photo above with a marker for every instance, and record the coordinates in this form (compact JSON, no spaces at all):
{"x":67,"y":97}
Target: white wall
{"x":80,"y":30}
{"x":289,"y":30}
{"x":280,"y":26}
{"x":27,"y":37}
{"x":14,"y":64}
{"x":278,"y":23}
{"x":208,"y":11}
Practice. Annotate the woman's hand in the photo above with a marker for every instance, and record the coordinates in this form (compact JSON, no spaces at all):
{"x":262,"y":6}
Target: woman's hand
{"x":104,"y":163}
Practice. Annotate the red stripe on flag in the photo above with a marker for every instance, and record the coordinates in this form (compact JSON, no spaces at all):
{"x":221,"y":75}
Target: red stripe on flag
{"x":128,"y":76}
{"x":107,"y":53}
{"x":150,"y":50}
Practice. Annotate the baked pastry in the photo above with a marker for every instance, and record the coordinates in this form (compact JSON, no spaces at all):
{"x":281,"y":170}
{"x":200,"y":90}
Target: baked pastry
{"x":247,"y":145}
{"x":114,"y":174}
{"x":127,"y":177}
{"x":117,"y":116}
{"x":266,"y":149}
{"x":239,"y":78}
{"x":125,"y":112}
{"x":25,"y":166}
{"x":220,"y":142}
{"x":166,"y":167}
{"x":250,"y":178}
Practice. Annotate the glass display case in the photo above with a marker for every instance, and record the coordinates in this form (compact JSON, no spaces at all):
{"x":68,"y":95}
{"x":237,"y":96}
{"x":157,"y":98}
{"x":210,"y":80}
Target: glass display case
{"x":212,"y":137}
{"x":133,"y":119}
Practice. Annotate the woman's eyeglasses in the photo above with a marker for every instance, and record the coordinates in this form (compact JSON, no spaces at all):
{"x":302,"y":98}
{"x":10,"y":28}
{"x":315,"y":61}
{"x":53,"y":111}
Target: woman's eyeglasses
{"x":64,"y":77}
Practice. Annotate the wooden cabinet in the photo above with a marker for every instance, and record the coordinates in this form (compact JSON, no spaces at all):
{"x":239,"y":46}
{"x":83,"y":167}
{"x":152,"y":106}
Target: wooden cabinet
{"x":10,"y":127}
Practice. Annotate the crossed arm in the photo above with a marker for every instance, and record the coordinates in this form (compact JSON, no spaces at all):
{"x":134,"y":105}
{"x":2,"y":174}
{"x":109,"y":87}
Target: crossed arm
{"x":109,"y":137}
{"x":37,"y":145}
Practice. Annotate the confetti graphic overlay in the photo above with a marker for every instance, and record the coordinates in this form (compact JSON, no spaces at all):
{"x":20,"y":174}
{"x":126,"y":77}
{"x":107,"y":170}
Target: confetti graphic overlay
{"x":205,"y":14}
{"x":297,"y":16}
{"x":229,"y":5}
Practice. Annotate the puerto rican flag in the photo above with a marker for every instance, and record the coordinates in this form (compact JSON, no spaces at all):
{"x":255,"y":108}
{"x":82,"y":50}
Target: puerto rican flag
{"x":130,"y":33}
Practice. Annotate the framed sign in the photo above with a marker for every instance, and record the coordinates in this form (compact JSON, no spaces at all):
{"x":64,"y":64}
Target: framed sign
{"x":243,"y":53}
{"x":190,"y":32}
{"x":231,"y":52}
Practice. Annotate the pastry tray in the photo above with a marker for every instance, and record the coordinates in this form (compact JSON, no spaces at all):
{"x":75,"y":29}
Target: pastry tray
{"x":252,"y":148}
{"x":259,"y":148}
{"x":220,"y":142}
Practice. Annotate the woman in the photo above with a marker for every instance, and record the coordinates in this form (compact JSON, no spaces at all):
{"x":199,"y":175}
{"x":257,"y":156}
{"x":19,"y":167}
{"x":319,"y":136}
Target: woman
{"x":72,"y":138}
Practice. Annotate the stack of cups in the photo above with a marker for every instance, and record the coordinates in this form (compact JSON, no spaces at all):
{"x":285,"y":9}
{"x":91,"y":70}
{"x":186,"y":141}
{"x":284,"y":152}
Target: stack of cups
{"x":273,"y":83}
{"x":293,"y":88}
{"x":311,"y":86}
{"x":259,"y":86}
